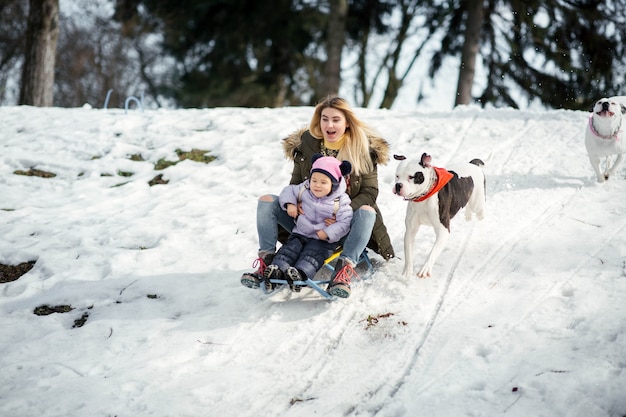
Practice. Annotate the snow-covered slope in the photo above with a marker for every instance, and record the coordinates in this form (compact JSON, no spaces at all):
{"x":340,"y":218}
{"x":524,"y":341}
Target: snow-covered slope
{"x":525,"y":313}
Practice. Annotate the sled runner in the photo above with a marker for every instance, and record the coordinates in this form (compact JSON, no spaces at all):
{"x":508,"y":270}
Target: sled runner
{"x":316,"y":284}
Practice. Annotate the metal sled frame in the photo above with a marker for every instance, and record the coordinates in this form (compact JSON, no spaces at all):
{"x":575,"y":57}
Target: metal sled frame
{"x":315,"y":283}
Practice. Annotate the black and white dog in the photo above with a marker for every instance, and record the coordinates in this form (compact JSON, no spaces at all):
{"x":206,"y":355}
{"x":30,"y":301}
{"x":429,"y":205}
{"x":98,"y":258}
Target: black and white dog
{"x":605,"y":135}
{"x":435,"y":195}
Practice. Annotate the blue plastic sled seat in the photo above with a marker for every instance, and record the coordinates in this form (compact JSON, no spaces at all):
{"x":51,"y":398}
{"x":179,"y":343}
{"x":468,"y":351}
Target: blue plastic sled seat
{"x":317,"y":284}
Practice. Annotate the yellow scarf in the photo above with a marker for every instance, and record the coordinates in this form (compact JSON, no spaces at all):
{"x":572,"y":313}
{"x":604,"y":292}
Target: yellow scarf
{"x":335,"y":146}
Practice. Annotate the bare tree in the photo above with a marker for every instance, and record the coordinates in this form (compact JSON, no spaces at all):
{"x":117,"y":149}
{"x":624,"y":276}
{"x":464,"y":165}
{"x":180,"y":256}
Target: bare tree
{"x":93,"y":58}
{"x":471,"y":44}
{"x":408,"y":9}
{"x":41,"y":41}
{"x":334,"y":45}
{"x":381,"y":46}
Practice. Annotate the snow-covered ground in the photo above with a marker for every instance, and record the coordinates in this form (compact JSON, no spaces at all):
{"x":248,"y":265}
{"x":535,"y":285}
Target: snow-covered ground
{"x":525,"y":314}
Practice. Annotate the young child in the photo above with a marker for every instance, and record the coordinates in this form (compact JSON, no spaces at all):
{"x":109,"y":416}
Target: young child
{"x":322,"y":196}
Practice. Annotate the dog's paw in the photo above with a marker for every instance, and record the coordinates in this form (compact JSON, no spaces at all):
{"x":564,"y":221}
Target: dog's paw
{"x":424,"y":272}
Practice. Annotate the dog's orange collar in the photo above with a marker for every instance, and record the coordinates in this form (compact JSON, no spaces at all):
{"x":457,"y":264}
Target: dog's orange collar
{"x":443,"y":177}
{"x":595,"y":132}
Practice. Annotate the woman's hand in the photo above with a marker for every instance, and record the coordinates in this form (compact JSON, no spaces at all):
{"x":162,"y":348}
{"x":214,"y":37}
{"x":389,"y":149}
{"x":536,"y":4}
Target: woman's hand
{"x":330,"y":220}
{"x":322,"y":235}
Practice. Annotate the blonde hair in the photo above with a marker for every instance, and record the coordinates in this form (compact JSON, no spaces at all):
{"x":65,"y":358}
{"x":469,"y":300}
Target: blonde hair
{"x":356,"y":148}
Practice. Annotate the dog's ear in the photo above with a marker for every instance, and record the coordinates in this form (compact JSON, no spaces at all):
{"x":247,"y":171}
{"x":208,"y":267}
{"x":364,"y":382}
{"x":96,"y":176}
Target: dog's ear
{"x":418,"y":178}
{"x":399,"y":157}
{"x":426,"y":159}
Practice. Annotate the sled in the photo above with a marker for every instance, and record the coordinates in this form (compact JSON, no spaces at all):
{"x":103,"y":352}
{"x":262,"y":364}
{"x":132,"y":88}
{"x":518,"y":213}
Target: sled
{"x":314,"y":283}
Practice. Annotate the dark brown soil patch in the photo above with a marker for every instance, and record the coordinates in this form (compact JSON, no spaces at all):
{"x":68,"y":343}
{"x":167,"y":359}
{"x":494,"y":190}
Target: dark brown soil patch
{"x":46,"y":310}
{"x":158,"y":180}
{"x":35,"y":173}
{"x":81,"y":321}
{"x":10,"y":273}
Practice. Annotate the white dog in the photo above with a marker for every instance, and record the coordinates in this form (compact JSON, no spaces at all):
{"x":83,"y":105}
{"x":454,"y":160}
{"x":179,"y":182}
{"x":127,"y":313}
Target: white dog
{"x":435,"y":195}
{"x":605,"y":135}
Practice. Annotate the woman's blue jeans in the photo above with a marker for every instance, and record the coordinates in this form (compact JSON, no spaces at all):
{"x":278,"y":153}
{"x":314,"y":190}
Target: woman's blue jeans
{"x":269,"y":215}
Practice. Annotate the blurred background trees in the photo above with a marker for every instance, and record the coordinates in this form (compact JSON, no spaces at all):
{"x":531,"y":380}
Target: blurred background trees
{"x":13,"y":19}
{"x":206,"y":53}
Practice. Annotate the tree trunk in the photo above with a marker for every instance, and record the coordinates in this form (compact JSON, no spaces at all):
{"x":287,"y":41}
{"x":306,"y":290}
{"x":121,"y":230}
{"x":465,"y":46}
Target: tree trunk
{"x":471,"y":45}
{"x":41,"y":43}
{"x":334,"y":45}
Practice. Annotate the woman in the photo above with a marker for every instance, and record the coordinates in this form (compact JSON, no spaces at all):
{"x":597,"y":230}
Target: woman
{"x":335,"y":131}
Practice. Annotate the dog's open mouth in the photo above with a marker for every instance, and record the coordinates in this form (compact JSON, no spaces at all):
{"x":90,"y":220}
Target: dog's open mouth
{"x":605,"y":113}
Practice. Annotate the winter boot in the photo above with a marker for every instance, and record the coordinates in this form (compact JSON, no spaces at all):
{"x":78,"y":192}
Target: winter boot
{"x":253,"y":279}
{"x":294,"y":275}
{"x":340,"y":281}
{"x":272,"y":271}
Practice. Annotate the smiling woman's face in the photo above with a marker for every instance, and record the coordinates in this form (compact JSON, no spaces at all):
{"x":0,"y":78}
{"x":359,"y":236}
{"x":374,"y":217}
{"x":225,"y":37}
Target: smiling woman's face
{"x":333,"y":124}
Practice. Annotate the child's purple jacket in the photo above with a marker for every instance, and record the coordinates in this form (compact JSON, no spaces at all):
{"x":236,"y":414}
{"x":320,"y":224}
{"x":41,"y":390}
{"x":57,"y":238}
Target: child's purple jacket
{"x":316,"y":210}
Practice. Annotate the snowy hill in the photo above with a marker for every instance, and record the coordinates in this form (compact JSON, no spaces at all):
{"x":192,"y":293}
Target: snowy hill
{"x":525,"y":314}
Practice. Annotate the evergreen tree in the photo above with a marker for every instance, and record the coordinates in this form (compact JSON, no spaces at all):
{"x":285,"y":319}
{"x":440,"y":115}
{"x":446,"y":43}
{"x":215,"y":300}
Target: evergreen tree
{"x":234,"y":52}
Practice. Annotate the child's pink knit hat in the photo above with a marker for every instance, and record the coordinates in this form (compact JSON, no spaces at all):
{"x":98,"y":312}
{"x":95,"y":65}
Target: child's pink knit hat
{"x":331,"y":167}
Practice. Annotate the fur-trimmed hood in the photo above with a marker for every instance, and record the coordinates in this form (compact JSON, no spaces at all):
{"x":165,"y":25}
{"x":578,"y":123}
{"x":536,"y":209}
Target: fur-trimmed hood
{"x":379,"y":147}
